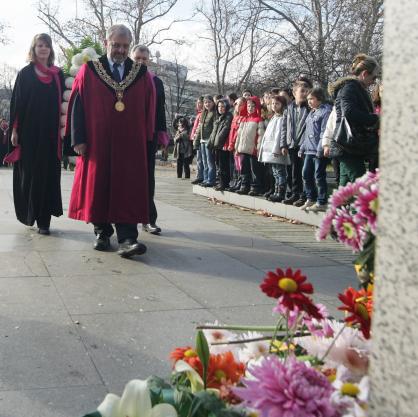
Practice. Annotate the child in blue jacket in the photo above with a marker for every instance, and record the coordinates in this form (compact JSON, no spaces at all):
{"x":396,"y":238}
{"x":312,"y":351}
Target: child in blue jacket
{"x":314,"y":167}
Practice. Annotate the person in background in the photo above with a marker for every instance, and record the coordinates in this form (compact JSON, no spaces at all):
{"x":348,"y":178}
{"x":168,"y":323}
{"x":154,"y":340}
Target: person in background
{"x":314,"y":166}
{"x":270,"y":152}
{"x":246,"y":94}
{"x":293,"y":129}
{"x":35,"y":110}
{"x":232,"y":99}
{"x":199,"y":161}
{"x":183,"y":148}
{"x":141,"y":54}
{"x":4,"y":126}
{"x":353,"y":101}
{"x":216,"y":98}
{"x":240,"y":112}
{"x":287,"y":94}
{"x":377,"y":103}
{"x":267,"y":175}
{"x":250,"y":132}
{"x":201,"y":139}
{"x":218,"y":139}
{"x":326,"y":142}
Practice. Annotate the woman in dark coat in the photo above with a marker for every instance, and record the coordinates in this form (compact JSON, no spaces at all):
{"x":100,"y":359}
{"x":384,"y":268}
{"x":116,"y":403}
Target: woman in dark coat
{"x":34,"y":119}
{"x":353,"y":101}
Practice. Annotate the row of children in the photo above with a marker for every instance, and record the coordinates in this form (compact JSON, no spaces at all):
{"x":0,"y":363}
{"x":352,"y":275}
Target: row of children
{"x":279,"y":146}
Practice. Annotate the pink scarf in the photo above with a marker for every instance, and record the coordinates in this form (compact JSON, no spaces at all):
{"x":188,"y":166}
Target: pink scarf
{"x":49,"y":73}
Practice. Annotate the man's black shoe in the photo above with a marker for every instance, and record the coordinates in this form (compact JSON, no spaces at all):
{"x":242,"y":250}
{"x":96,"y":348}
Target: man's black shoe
{"x":196,"y":181}
{"x":101,"y":243}
{"x":151,"y":228}
{"x":131,"y":247}
{"x":44,"y":231}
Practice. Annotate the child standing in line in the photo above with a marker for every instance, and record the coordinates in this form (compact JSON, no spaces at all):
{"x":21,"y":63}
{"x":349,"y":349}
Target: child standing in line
{"x":201,"y":140}
{"x":314,"y":167}
{"x":250,"y":132}
{"x":292,"y":134}
{"x":270,"y":152}
{"x":183,"y":149}
{"x":240,"y":111}
{"x":199,"y":161}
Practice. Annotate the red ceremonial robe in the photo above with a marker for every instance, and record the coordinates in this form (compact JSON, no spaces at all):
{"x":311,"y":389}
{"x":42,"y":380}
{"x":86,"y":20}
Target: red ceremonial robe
{"x":111,"y":181}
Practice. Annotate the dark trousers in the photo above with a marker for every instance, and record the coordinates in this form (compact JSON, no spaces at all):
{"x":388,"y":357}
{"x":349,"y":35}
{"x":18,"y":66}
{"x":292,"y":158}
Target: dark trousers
{"x":315,"y":178}
{"x":224,"y":167}
{"x":351,"y":168}
{"x":251,"y":172}
{"x":336,"y":169}
{"x":183,"y":163}
{"x":151,"y":151}
{"x":279,"y":174}
{"x":123,"y":231}
{"x":43,"y":221}
{"x":294,"y":175}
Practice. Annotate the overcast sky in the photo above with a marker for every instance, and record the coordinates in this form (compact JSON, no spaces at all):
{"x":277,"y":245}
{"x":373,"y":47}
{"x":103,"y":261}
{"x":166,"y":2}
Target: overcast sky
{"x":21,"y":17}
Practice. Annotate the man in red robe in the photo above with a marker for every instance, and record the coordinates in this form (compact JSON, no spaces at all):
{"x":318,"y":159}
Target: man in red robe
{"x":111,"y":117}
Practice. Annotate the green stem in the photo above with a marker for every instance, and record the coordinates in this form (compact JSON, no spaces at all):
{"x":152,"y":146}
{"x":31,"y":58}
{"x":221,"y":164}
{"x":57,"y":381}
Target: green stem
{"x":333,"y":343}
{"x":237,"y":327}
{"x":276,"y":330}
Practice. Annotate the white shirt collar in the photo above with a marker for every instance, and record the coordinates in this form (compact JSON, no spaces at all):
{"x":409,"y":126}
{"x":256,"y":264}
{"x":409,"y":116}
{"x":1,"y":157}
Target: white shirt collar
{"x":122,"y":65}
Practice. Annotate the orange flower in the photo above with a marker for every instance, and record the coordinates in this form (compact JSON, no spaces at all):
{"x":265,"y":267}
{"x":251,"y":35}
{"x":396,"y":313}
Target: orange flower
{"x":360,"y":305}
{"x":224,"y":370}
{"x":187,"y":354}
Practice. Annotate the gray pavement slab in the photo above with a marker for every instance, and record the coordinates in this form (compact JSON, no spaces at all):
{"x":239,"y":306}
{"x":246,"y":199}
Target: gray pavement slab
{"x":126,"y":346}
{"x":76,"y":323}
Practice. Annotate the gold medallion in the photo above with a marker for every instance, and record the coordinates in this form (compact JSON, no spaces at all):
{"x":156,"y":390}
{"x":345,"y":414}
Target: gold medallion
{"x":119,"y":106}
{"x":119,"y":88}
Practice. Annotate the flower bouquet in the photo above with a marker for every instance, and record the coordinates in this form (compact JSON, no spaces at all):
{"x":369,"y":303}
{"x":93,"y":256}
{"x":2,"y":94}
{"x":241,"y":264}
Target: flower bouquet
{"x":352,"y":220}
{"x":307,"y":365}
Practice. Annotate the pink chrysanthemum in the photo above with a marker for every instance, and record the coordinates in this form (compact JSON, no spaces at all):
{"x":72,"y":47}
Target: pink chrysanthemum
{"x":319,"y":328}
{"x":326,"y":225}
{"x":343,"y":195}
{"x":292,"y":315}
{"x":349,"y":231}
{"x":289,"y":389}
{"x":367,"y":206}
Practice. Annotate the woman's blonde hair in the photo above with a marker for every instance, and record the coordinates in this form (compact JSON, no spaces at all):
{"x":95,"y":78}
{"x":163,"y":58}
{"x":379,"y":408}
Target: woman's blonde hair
{"x":44,"y":37}
{"x":363,"y":62}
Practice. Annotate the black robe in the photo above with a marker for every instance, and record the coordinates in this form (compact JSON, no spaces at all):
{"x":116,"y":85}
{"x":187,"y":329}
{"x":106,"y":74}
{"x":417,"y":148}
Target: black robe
{"x":36,"y":177}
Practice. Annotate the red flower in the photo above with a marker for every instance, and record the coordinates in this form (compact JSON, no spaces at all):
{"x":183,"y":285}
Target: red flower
{"x":290,"y":288}
{"x":360,"y":305}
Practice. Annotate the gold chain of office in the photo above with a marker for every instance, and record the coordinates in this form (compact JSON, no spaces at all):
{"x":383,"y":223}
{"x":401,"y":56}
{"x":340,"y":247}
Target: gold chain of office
{"x":118,"y":87}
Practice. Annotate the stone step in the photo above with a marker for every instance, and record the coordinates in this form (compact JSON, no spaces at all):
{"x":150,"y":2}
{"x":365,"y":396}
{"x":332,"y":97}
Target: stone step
{"x":260,"y":203}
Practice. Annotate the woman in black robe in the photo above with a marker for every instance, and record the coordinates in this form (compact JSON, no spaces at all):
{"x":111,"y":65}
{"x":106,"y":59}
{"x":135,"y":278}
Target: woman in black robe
{"x":34,"y":123}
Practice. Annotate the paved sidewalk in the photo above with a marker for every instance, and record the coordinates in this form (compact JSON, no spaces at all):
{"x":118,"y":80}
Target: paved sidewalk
{"x":76,"y":323}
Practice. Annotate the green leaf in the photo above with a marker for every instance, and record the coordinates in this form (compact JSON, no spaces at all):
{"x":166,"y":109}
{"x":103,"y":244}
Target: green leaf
{"x":202,"y":349}
{"x":95,"y":414}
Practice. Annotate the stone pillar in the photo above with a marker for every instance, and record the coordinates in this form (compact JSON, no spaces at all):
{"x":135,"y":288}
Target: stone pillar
{"x":394,"y":364}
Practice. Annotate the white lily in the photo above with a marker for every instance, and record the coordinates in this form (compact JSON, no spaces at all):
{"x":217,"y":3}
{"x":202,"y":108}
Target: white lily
{"x":135,"y":402}
{"x":195,"y":379}
{"x":77,"y":60}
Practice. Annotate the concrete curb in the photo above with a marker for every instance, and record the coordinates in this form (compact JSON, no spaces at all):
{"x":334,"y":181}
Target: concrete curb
{"x":257,"y":203}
